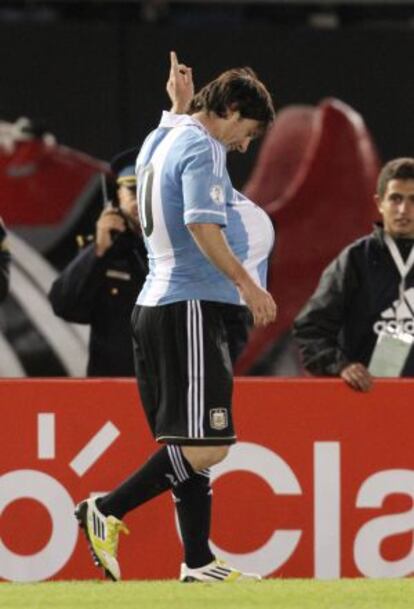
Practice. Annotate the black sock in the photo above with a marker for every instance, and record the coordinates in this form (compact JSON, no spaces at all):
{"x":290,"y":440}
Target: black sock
{"x":193,"y":505}
{"x":164,"y":470}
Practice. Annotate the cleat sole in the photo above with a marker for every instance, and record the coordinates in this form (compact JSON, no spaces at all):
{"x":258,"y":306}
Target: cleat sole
{"x":109,"y":575}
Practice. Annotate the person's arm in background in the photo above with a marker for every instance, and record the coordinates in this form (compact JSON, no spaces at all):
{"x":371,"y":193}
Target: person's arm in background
{"x":317,"y":327}
{"x":73,"y":293}
{"x":4,"y":263}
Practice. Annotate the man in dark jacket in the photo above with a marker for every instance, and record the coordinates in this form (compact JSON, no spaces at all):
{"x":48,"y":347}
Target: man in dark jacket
{"x":100,"y":286}
{"x":4,"y":263}
{"x":368,"y":290}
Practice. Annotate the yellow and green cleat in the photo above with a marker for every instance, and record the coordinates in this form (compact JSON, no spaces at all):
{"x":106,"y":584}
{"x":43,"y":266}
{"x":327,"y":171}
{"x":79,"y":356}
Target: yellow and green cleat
{"x":102,"y":533}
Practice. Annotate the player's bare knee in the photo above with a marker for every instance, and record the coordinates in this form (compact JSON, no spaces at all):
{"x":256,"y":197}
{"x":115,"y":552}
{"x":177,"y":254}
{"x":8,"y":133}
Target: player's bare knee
{"x":202,"y":457}
{"x":220,"y":453}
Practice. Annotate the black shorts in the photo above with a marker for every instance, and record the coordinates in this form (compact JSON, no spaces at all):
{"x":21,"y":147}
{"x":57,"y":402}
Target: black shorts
{"x":184,"y":372}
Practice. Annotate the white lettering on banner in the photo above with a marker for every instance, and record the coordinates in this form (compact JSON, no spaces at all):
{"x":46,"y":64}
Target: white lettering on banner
{"x":367,"y":548}
{"x":266,"y":464}
{"x":46,"y":435}
{"x":32,"y":484}
{"x":327,"y":510}
{"x":282,"y":544}
{"x":95,"y":448}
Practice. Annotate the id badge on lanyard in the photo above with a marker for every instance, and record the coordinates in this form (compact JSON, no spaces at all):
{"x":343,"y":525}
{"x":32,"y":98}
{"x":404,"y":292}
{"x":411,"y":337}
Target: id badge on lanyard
{"x":393,"y":346}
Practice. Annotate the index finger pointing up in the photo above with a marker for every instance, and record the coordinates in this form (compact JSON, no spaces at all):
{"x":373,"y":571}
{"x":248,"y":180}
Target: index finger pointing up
{"x":173,"y":61}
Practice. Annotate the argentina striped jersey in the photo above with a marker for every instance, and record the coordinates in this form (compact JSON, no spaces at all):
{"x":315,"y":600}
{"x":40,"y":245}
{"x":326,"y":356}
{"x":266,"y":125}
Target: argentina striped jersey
{"x":182,"y":179}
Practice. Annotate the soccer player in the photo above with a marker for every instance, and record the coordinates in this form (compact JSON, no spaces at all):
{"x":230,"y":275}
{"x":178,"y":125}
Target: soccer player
{"x":207,"y":251}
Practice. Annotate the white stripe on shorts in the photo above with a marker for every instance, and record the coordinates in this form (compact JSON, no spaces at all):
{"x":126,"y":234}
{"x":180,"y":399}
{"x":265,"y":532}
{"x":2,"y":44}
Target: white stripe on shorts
{"x":195,"y":362}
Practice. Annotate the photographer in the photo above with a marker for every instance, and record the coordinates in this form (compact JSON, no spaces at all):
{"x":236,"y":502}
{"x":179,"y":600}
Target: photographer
{"x":4,"y":263}
{"x":100,"y":286}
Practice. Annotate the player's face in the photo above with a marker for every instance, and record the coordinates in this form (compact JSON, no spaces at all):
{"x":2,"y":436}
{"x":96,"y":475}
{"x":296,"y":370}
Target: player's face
{"x":128,"y":202}
{"x":238,"y":132}
{"x":397,"y":208}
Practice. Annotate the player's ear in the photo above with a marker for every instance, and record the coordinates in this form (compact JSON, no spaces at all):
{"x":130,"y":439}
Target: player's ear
{"x":378,"y":203}
{"x":232,"y":112}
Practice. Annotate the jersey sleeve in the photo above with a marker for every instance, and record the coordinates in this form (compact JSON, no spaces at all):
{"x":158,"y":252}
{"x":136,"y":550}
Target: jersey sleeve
{"x":205,"y":184}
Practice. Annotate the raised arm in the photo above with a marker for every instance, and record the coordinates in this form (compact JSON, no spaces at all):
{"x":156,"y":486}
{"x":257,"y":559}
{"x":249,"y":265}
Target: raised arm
{"x":180,"y":85}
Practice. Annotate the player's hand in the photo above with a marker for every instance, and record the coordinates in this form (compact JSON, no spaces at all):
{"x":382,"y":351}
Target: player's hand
{"x":180,"y":86}
{"x":260,"y":302}
{"x":109,"y":222}
{"x":357,"y":376}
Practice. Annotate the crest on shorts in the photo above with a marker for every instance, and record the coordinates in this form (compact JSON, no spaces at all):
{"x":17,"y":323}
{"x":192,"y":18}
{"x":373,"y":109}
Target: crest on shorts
{"x":217,"y":194}
{"x":218,"y":418}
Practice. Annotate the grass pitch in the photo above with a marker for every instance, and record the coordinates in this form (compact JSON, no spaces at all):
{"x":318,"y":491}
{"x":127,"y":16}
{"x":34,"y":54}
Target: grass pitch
{"x":269,"y":594}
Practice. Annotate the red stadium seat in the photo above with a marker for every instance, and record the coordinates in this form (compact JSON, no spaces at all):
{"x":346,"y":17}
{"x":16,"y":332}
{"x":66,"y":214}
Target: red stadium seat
{"x":46,"y":189}
{"x":316,"y":176}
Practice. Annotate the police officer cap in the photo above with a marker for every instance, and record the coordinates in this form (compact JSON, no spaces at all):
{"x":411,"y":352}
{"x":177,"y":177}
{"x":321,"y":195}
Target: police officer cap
{"x":123,"y":167}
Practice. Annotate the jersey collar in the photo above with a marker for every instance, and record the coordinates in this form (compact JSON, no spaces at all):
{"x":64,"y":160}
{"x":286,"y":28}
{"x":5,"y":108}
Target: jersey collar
{"x":169,"y":120}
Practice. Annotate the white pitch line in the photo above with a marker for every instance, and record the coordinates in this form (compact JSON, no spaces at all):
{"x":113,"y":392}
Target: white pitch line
{"x":46,"y":435}
{"x":95,"y":448}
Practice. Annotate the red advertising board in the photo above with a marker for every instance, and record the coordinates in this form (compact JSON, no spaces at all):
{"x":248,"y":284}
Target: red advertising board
{"x":320,"y":484}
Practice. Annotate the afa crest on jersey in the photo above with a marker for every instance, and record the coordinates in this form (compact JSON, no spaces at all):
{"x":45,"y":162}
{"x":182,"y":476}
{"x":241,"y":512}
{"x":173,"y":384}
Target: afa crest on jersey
{"x":217,"y":194}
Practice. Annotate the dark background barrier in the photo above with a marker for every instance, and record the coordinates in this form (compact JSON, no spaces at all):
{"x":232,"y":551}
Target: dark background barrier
{"x":101,"y":86}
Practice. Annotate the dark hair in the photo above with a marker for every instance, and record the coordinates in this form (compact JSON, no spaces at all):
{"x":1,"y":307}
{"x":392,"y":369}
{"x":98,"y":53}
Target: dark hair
{"x":238,"y":89}
{"x":397,"y":169}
